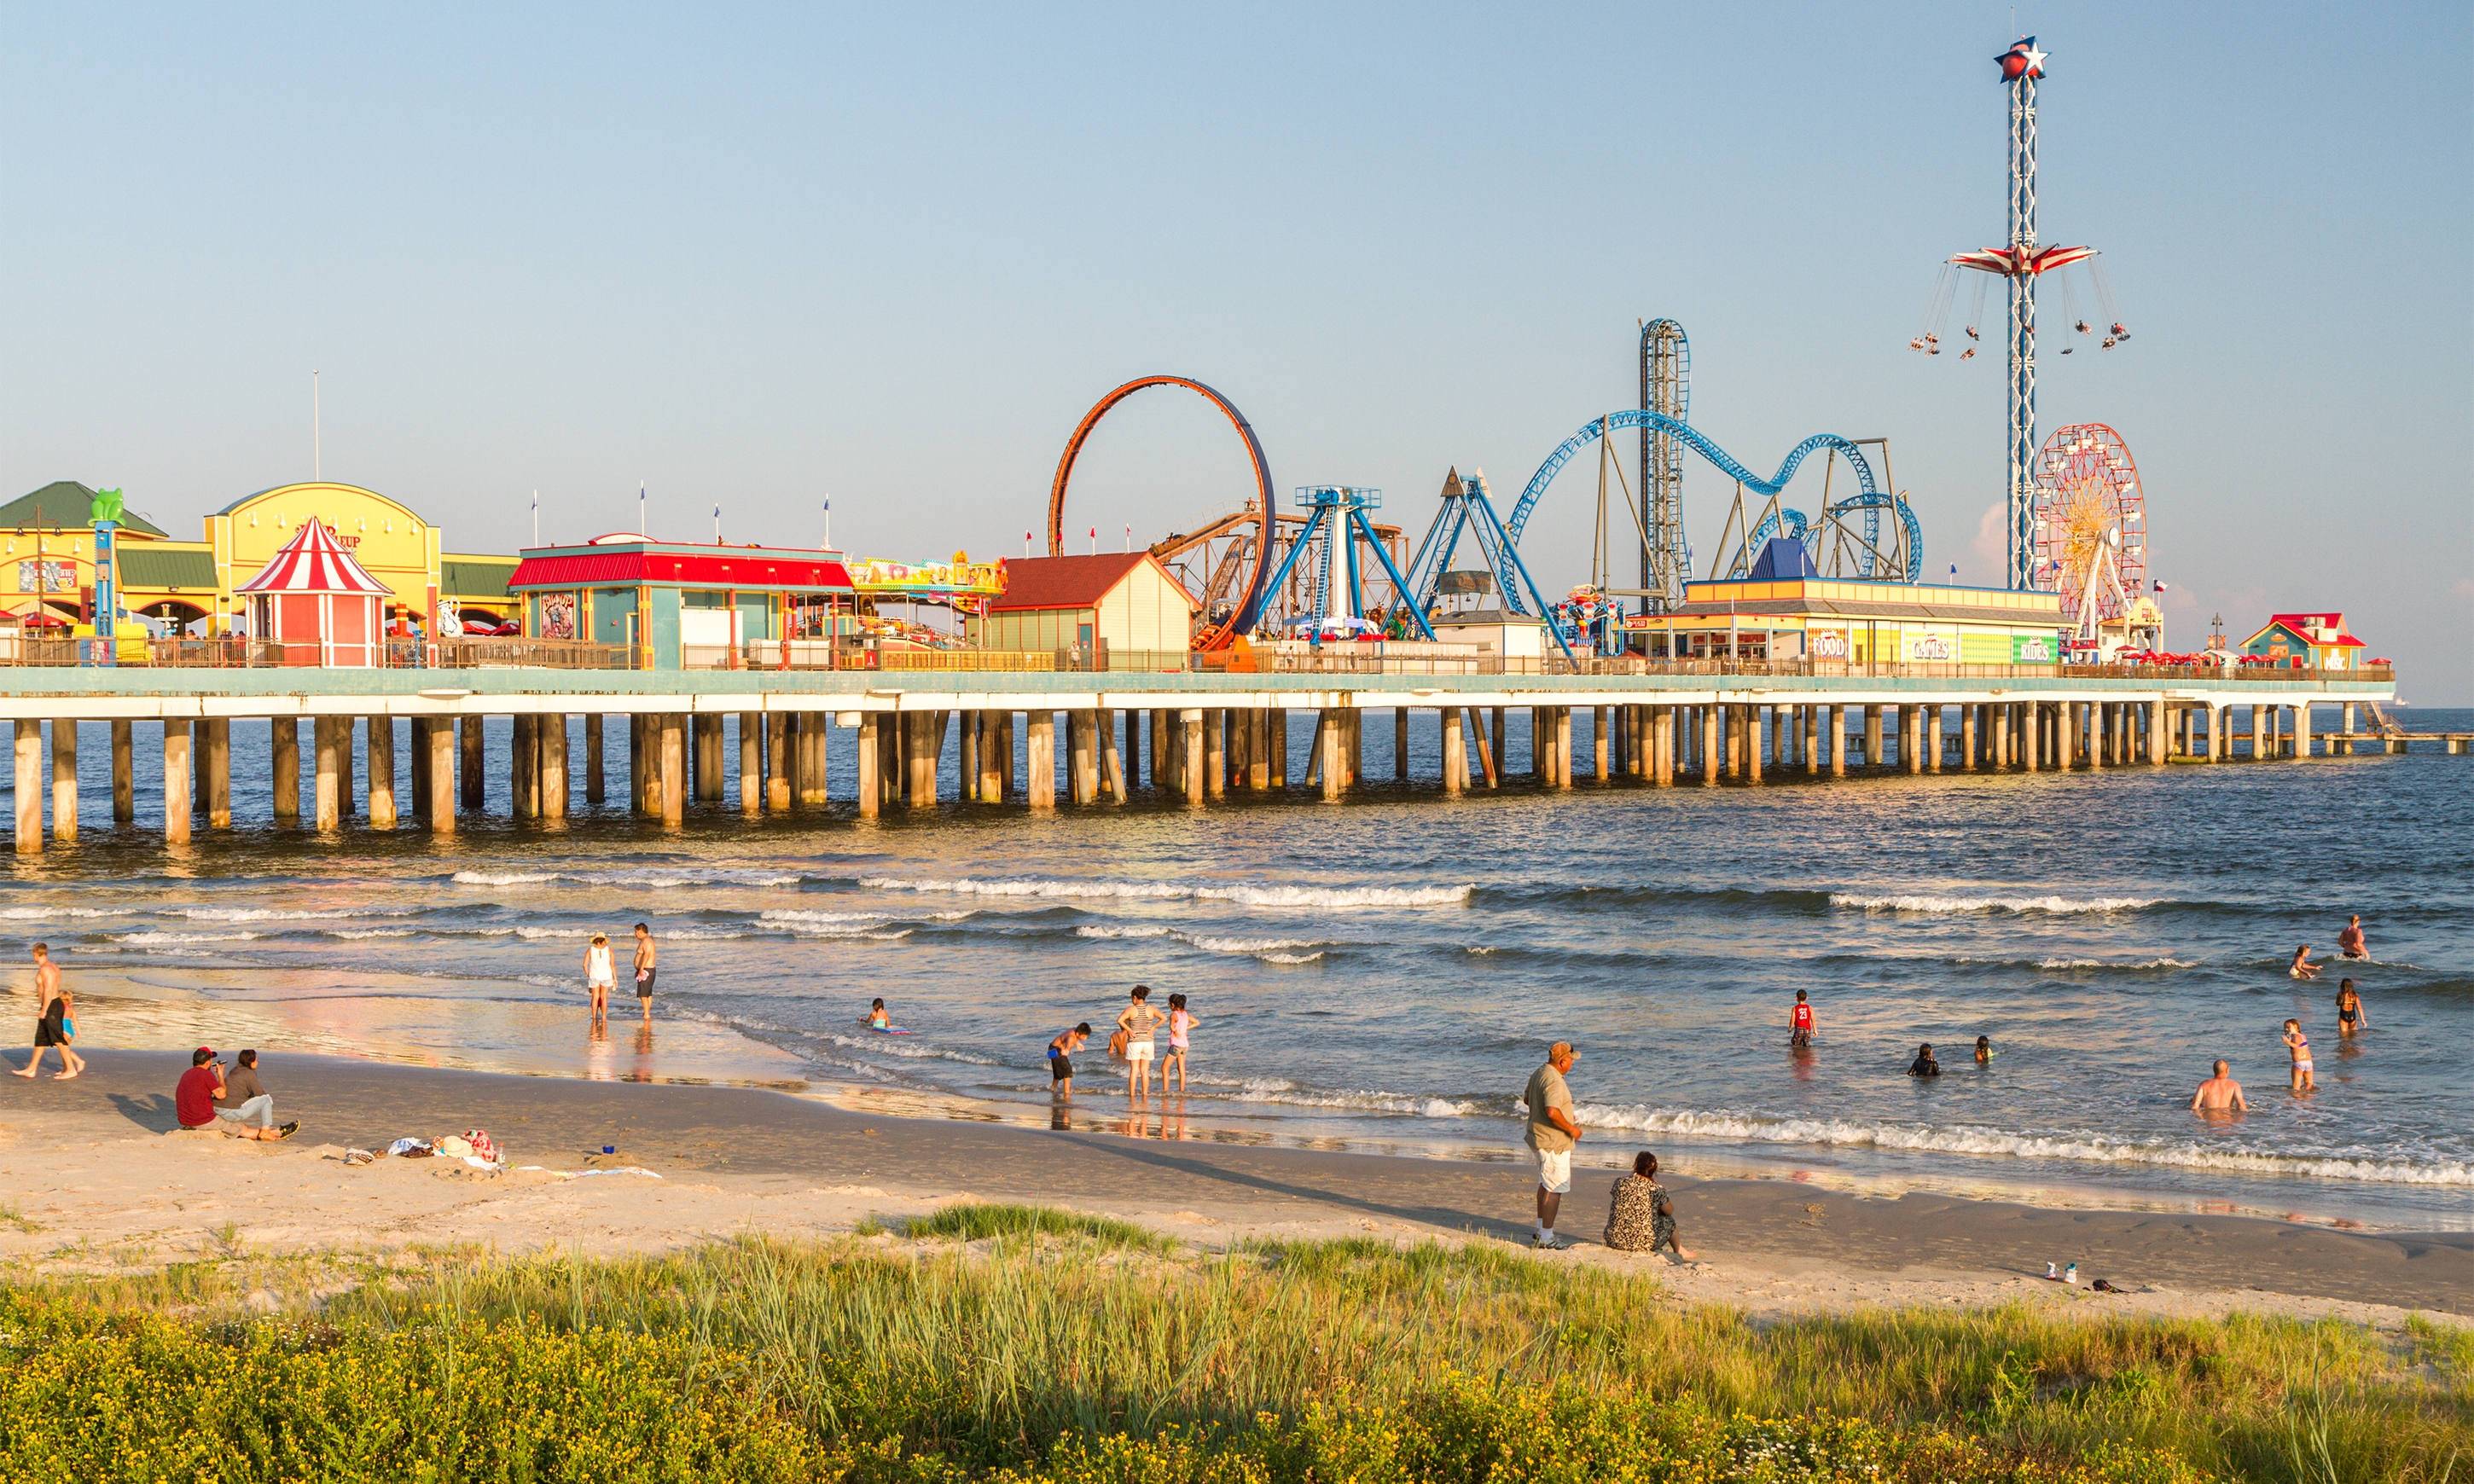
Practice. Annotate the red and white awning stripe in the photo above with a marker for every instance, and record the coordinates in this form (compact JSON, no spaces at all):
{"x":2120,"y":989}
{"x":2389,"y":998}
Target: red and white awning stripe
{"x":314,"y":561}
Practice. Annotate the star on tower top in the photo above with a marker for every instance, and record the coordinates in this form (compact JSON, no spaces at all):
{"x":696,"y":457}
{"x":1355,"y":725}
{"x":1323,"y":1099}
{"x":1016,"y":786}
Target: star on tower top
{"x":2023,"y":60}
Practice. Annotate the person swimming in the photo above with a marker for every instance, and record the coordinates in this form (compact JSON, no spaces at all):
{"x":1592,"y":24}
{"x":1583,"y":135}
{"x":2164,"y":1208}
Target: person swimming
{"x":2349,"y":940}
{"x":878,"y":1019}
{"x":2302,"y":968}
{"x":1983,"y":1048}
{"x":1924,"y":1065}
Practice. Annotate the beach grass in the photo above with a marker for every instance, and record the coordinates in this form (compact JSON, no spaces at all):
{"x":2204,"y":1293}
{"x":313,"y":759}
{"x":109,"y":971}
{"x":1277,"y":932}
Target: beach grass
{"x":1062,"y":1351}
{"x":976,"y":1221}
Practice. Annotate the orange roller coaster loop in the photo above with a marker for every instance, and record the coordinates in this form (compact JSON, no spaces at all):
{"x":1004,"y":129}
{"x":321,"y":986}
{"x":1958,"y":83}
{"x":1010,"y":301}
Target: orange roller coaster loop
{"x":1249,"y":608}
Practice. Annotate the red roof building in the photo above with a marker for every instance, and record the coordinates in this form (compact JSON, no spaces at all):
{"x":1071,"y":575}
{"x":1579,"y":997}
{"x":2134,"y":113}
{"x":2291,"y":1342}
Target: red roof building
{"x":685,"y":605}
{"x":319,"y":603}
{"x":1120,"y":600}
{"x":2306,"y":641}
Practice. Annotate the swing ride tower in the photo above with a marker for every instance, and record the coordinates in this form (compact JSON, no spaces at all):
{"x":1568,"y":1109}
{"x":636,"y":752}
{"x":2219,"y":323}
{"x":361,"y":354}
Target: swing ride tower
{"x":2021,"y":263}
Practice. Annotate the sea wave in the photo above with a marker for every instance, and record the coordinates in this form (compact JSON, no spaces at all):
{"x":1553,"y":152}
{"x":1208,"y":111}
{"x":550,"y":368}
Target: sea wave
{"x":1932,"y":904}
{"x":1283,"y":1091}
{"x":1275,"y":950}
{"x":44,"y":914}
{"x":650,"y":877}
{"x":173,"y":938}
{"x":1244,"y":896}
{"x":1970,"y":1141}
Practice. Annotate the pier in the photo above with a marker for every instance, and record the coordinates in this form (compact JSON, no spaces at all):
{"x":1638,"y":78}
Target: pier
{"x":385,"y":750}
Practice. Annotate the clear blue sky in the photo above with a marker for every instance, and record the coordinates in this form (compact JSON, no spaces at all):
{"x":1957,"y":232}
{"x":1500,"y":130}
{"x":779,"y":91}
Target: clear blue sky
{"x":752,"y":256}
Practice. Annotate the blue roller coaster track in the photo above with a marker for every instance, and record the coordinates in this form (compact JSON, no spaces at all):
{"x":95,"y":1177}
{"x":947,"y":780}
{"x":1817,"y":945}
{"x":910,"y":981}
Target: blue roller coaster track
{"x":1870,"y":500}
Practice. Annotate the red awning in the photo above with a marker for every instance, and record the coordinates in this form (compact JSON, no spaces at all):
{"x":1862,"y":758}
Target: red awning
{"x":755,"y":568}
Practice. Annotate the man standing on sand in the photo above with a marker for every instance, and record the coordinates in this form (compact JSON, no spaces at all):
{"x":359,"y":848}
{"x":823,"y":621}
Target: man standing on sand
{"x":1551,"y":1135}
{"x":48,"y":1014}
{"x":646,"y":954}
{"x":2220,"y":1093}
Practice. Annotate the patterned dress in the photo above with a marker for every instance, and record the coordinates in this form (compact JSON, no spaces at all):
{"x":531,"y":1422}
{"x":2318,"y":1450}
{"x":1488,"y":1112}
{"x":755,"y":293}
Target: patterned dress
{"x":1640,"y":1218}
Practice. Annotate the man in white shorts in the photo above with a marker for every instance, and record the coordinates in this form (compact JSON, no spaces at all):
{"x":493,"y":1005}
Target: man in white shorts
{"x":1552,"y":1134}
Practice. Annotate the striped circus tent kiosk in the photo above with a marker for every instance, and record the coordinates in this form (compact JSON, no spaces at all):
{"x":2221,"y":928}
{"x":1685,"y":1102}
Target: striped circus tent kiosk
{"x":319,"y":603}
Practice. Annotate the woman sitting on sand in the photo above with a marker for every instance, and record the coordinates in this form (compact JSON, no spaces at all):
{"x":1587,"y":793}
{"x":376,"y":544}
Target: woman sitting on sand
{"x":1641,"y":1218}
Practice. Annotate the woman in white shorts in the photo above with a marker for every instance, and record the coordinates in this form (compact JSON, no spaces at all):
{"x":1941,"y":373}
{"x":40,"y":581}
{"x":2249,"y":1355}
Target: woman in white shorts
{"x":1138,"y":1021}
{"x":599,"y":978}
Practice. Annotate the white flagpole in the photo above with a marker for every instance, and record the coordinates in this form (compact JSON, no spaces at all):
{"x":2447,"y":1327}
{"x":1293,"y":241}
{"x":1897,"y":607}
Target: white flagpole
{"x":640,"y":509}
{"x":317,"y":436}
{"x":537,"y":518}
{"x":829,"y":524}
{"x":717,"y":525}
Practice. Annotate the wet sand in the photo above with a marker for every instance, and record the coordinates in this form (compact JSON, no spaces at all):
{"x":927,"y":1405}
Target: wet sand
{"x":94,"y":1167}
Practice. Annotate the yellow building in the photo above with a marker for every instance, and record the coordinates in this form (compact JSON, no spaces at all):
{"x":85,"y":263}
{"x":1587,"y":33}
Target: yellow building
{"x":48,"y":566}
{"x":1855,"y":623}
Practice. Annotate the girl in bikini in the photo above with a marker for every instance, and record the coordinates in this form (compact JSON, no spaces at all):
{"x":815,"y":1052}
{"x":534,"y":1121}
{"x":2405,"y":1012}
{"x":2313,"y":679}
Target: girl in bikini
{"x":2301,"y":1045}
{"x":1180,"y":1022}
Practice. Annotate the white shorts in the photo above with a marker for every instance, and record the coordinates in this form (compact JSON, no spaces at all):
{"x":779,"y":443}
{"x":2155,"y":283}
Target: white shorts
{"x":1554,"y":1170}
{"x":1138,"y":1051}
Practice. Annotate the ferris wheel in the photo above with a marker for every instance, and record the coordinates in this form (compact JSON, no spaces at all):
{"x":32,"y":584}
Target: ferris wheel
{"x":2091,"y":526}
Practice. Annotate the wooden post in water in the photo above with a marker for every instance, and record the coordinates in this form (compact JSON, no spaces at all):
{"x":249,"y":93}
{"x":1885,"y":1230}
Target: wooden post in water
{"x":1455,"y":752}
{"x":124,"y":773}
{"x":175,"y":785}
{"x":1040,"y":762}
{"x":1112,"y":757}
{"x":871,"y":773}
{"x":2301,"y":729}
{"x":1749,"y":718}
{"x":474,"y":778}
{"x":592,"y":788}
{"x":554,"y":759}
{"x":1215,"y":753}
{"x":439,"y":758}
{"x":30,"y":783}
{"x":523,"y":762}
{"x":327,"y":812}
{"x":1280,"y":725}
{"x":751,"y":762}
{"x":381,"y":775}
{"x":64,"y":798}
{"x":346,"y":795}
{"x":674,"y":771}
{"x":419,"y":759}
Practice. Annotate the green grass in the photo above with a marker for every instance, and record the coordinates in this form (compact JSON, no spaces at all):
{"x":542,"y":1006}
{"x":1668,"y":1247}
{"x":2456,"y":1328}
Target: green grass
{"x":972,"y":1222}
{"x":11,"y":1215}
{"x":1050,"y":1354}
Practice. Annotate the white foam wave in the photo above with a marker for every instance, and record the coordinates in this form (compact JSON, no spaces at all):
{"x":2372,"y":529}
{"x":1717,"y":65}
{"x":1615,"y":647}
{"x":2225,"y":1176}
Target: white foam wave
{"x":1093,"y":930}
{"x":1281,"y":1090}
{"x":1292,"y":958}
{"x":374,"y":932}
{"x":1962,"y":1139}
{"x":913,"y":1049}
{"x":284,"y":914}
{"x":2098,"y":962}
{"x":655,"y":878}
{"x":42,"y":914}
{"x":1934,"y":904}
{"x":1272,"y":951}
{"x":1171,"y":891}
{"x":170,"y":938}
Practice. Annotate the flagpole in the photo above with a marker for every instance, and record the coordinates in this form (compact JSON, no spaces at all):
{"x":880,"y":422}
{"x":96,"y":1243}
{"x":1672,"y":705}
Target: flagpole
{"x":640,"y":509}
{"x":317,"y":436}
{"x":537,"y":518}
{"x":829,"y":524}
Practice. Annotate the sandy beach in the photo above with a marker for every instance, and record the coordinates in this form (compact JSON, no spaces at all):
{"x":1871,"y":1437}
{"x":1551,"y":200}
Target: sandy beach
{"x":102,"y":1183}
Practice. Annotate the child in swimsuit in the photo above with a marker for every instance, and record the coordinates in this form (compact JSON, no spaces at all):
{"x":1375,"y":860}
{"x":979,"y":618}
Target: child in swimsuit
{"x":1800,"y":1023}
{"x":1060,"y":1058}
{"x":2302,"y":968}
{"x":2301,"y":1045}
{"x":1924,"y":1065}
{"x":2349,"y":1011}
{"x":1180,"y":1021}
{"x":1983,"y":1048}
{"x":878,"y":1019}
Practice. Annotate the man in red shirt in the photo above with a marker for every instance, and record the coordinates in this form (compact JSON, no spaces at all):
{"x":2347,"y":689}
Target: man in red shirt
{"x":194,"y":1100}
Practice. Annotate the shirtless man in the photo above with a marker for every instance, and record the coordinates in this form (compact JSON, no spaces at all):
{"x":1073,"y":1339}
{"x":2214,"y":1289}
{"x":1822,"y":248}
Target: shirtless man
{"x":2349,"y":940}
{"x":645,"y":972}
{"x":47,"y":1020}
{"x":2220,"y":1093}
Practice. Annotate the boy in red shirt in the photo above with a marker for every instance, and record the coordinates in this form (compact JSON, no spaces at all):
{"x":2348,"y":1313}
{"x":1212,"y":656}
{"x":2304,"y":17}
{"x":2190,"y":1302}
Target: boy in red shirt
{"x":1801,"y":1024}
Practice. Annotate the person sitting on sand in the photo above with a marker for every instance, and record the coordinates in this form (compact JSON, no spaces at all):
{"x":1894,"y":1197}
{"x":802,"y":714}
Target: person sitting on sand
{"x":244,"y":1100}
{"x":1924,"y":1065}
{"x":2349,"y":940}
{"x":1060,"y":1054}
{"x":2220,"y":1093}
{"x":2349,"y":1011}
{"x":1640,"y":1218}
{"x":2302,"y":968}
{"x":193,"y":1101}
{"x":2301,"y":1045}
{"x":1984,"y":1049}
{"x":1798,"y":1022}
{"x":879,"y":1019}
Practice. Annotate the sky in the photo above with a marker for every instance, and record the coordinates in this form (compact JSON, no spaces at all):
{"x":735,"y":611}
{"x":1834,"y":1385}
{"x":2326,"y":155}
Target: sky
{"x":755,"y":258}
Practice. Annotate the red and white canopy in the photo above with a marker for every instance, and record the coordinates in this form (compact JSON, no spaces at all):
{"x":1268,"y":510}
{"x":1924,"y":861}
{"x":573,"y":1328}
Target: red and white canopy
{"x":314,"y":561}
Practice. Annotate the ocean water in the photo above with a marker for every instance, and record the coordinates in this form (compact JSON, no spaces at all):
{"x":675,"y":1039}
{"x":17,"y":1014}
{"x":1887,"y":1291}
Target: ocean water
{"x":1384,"y":973}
